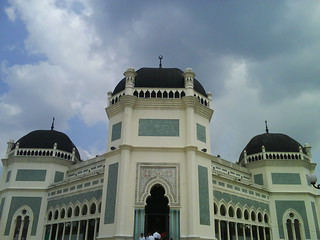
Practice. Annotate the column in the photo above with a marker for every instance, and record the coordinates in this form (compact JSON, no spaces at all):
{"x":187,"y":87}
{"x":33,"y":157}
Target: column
{"x":244,"y":231}
{"x":95,"y":228}
{"x":64,"y":230}
{"x":122,"y":196}
{"x":219,"y":229}
{"x":21,"y":228}
{"x":228,"y":229}
{"x":178,"y":224}
{"x":174,"y":231}
{"x":86,"y":231}
{"x":293,"y":231}
{"x":71,"y":229}
{"x":236,"y":230}
{"x":251,"y":234}
{"x":50,"y":233}
{"x":138,"y":222}
{"x":264,"y":233}
{"x":78,"y":230}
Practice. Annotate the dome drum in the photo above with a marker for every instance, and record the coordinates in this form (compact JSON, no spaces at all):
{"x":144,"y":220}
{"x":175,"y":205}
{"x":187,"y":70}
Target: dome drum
{"x":274,"y":146}
{"x":45,"y":143}
{"x":159,"y":83}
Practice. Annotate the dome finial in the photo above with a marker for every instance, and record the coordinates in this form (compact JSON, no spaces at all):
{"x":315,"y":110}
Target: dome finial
{"x":160,"y":58}
{"x":52,"y":125}
{"x":267,"y":130}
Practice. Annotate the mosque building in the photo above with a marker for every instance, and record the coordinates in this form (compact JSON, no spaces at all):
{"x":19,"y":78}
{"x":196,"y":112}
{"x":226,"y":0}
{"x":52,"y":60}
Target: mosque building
{"x":158,"y":174}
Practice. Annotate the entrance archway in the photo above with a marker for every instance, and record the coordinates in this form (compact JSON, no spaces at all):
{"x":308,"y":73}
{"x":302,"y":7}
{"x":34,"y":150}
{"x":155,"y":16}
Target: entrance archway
{"x":157,"y":211}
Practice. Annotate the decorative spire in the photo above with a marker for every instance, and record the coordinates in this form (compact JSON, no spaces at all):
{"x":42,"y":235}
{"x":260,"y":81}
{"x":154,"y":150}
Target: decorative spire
{"x":52,"y":125}
{"x":160,"y":58}
{"x":267,"y":130}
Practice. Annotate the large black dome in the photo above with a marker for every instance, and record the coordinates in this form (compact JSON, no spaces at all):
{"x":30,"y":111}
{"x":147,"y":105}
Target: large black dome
{"x":45,"y":139}
{"x":159,"y":78}
{"x":273,"y":142}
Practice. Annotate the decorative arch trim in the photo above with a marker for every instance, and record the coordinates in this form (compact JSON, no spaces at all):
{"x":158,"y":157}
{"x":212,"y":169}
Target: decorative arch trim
{"x":167,"y":175}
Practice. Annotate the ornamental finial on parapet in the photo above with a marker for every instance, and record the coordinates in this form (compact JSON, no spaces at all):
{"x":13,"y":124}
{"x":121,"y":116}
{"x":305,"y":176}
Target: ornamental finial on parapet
{"x":188,"y":76}
{"x":130,"y":75}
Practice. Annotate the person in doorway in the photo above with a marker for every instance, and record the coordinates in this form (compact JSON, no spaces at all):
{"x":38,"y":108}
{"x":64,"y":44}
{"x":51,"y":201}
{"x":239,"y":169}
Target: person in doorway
{"x":142,"y":237}
{"x":156,"y":235}
{"x":150,"y":237}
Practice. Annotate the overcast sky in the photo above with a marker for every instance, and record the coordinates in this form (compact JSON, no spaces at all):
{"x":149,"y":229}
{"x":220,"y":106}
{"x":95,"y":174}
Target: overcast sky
{"x":259,"y":59}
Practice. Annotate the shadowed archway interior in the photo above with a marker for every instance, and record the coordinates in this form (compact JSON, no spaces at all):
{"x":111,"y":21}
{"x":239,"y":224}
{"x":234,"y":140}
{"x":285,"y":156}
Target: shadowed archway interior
{"x":157,"y":211}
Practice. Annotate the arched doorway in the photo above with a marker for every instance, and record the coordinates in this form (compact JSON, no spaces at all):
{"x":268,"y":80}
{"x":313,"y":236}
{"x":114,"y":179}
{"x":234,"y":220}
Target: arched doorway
{"x":157,"y":211}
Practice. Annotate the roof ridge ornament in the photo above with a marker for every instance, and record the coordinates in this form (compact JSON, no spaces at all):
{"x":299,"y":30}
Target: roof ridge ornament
{"x":52,"y":125}
{"x":267,"y":130}
{"x":160,"y":58}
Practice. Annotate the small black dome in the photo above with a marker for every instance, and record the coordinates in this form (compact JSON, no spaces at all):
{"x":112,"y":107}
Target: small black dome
{"x":273,"y":142}
{"x":45,"y":139}
{"x":159,"y":78}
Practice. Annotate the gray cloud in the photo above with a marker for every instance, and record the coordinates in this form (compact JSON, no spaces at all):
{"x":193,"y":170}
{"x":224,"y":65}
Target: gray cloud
{"x":259,"y":59}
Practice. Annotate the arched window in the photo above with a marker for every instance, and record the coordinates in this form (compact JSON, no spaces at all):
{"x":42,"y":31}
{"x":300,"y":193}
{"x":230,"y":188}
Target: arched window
{"x":50,"y":216}
{"x":246,"y":214}
{"x":69,"y":212}
{"x":76,"y":211}
{"x":239,"y":213}
{"x":222,"y":210}
{"x":56,"y":214}
{"x":253,"y":216}
{"x":93,"y":208}
{"x":21,"y":223}
{"x":99,"y":208}
{"x":293,"y":225}
{"x":215,"y":207}
{"x":231,"y":212}
{"x":63,"y":213}
{"x":84,"y":210}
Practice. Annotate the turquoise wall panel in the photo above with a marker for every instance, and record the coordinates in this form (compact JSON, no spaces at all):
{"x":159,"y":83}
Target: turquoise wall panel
{"x":74,"y":198}
{"x":109,"y":213}
{"x":286,"y":178}
{"x":201,"y":133}
{"x":31,"y":175}
{"x":32,"y":202}
{"x":1,"y":206}
{"x":116,"y":131}
{"x":58,"y":176}
{"x":315,"y":217}
{"x":299,"y":206}
{"x":159,"y":127}
{"x":8,"y":176}
{"x":240,"y":200}
{"x":258,"y":179}
{"x":204,"y":209}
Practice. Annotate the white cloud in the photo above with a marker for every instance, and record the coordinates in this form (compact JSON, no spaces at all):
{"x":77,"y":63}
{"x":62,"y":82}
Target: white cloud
{"x":10,"y":13}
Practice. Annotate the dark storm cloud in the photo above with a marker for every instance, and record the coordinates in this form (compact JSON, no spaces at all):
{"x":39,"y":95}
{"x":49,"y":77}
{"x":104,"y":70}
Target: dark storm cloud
{"x":200,"y":35}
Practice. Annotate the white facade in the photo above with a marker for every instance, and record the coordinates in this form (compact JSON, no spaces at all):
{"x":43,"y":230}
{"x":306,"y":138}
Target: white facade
{"x":157,"y":174}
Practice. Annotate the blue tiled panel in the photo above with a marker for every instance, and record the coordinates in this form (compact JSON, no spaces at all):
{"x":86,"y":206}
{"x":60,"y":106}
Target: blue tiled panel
{"x":203,"y":196}
{"x":315,"y":217}
{"x":1,"y":206}
{"x":85,"y":196}
{"x":159,"y":127}
{"x":286,"y":178}
{"x":116,"y":131}
{"x":299,"y":206}
{"x":201,"y":133}
{"x":258,"y":179}
{"x":31,"y":175}
{"x":111,"y":194}
{"x":16,"y":202}
{"x":240,"y":200}
{"x":58,"y":177}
